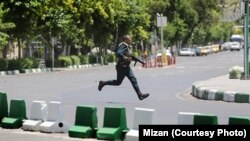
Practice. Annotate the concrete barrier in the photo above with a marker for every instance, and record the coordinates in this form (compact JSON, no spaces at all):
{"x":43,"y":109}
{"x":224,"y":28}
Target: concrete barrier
{"x":114,"y":124}
{"x":205,"y":119}
{"x":212,"y":94}
{"x":85,"y":122}
{"x":16,"y":116}
{"x":54,"y":122}
{"x":238,"y":120}
{"x":3,"y":106}
{"x":189,"y":118}
{"x":37,"y":116}
{"x":186,"y":118}
{"x":242,"y":98}
{"x":229,"y":96}
{"x":141,"y":116}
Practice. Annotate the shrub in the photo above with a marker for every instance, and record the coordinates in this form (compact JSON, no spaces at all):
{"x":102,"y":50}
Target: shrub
{"x":3,"y":64}
{"x":75,"y":60}
{"x":35,"y":62}
{"x":136,"y":53}
{"x":235,"y":72}
{"x":15,"y":64}
{"x":26,"y":63}
{"x":92,"y":59}
{"x":84,"y":59}
{"x":65,"y":61}
{"x":111,"y":58}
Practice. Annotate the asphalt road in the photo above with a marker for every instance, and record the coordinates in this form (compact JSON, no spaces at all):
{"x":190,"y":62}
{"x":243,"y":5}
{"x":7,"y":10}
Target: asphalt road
{"x":169,"y":87}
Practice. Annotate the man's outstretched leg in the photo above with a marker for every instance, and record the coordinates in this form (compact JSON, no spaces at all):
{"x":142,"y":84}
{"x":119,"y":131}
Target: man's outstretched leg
{"x":134,"y":83}
{"x":119,"y":78}
{"x":110,"y":82}
{"x":101,"y":85}
{"x":141,"y":96}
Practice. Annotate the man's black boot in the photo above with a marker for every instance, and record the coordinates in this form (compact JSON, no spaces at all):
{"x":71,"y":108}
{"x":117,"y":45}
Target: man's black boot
{"x":142,"y":96}
{"x":101,"y":85}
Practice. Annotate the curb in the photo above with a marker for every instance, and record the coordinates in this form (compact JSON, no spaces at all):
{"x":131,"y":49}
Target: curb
{"x":205,"y":93}
{"x":40,"y":70}
{"x":26,"y":71}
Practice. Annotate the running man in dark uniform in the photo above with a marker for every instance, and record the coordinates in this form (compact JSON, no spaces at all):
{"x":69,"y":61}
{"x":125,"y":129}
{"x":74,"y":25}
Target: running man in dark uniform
{"x":123,"y":69}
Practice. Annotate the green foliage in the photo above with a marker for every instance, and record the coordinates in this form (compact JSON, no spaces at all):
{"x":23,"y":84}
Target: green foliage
{"x":65,"y":61}
{"x":109,"y":58}
{"x":3,"y":64}
{"x":22,"y":63}
{"x":92,"y":59}
{"x":99,"y":23}
{"x":57,"y":63}
{"x":4,"y":26}
{"x":136,"y":53}
{"x":26,"y":63}
{"x":235,"y":72}
{"x":35,"y":62}
{"x":15,"y":64}
{"x":84,"y":59}
{"x":75,"y":60}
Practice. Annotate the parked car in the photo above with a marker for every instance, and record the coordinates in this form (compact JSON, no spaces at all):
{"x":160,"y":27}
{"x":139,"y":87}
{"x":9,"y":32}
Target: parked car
{"x":187,"y":52}
{"x":202,"y":51}
{"x":235,"y":46}
{"x":226,"y":46}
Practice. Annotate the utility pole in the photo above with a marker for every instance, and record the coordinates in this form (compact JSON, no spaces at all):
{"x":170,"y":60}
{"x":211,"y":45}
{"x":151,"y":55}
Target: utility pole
{"x":53,"y":43}
{"x":161,"y":22}
{"x":246,"y":30}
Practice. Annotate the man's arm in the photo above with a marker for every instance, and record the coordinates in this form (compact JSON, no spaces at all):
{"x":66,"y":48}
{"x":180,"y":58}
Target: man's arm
{"x":135,"y":59}
{"x":121,"y":51}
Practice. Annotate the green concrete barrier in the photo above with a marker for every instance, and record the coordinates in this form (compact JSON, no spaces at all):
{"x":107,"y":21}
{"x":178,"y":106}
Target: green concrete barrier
{"x":193,"y":90}
{"x":205,"y":119}
{"x":205,"y":94}
{"x":16,"y":114}
{"x":114,"y":124}
{"x":3,"y":106}
{"x":219,"y":95}
{"x":238,"y":120}
{"x":241,"y":98}
{"x":85,"y":122}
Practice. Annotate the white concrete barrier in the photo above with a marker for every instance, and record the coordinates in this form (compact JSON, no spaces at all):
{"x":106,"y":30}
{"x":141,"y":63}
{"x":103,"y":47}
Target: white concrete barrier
{"x":186,"y":118}
{"x":37,"y":115}
{"x":229,"y":96}
{"x":54,"y":122}
{"x":141,"y":116}
{"x":201,"y":92}
{"x":211,"y":94}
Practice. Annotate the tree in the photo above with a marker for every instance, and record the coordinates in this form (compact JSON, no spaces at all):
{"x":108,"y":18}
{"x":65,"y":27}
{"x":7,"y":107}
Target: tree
{"x":4,"y":27}
{"x":22,"y":14}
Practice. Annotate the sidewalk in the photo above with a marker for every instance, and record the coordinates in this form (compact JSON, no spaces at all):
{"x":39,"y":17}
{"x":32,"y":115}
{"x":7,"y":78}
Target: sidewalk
{"x":20,"y":135}
{"x":224,"y":89}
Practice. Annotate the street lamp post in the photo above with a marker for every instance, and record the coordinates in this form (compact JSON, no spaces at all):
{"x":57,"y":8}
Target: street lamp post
{"x":161,"y":22}
{"x":246,"y":30}
{"x":53,"y":43}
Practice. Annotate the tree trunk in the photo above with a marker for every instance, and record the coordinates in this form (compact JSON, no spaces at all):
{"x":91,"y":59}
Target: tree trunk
{"x":68,"y":49}
{"x":29,"y":50}
{"x":64,"y":48}
{"x":19,"y":48}
{"x":5,"y":50}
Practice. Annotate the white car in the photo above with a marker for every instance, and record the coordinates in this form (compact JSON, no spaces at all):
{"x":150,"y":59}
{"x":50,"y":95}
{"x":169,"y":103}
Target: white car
{"x":226,"y":46}
{"x":235,"y":46}
{"x":187,"y":52}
